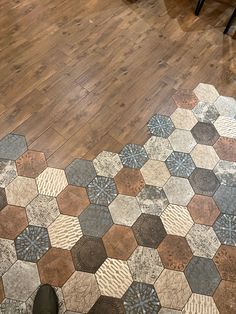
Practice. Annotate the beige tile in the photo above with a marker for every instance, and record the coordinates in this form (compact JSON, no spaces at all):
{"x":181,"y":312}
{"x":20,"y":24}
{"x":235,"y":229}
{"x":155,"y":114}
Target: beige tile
{"x":226,"y":106}
{"x":204,"y":156}
{"x":182,"y":141}
{"x":7,"y":255}
{"x":178,"y":191}
{"x":7,"y":172}
{"x":155,"y":173}
{"x":158,"y":148}
{"x":226,"y":126}
{"x":183,"y":119}
{"x":107,"y":164}
{"x":200,"y":304}
{"x":206,"y":92}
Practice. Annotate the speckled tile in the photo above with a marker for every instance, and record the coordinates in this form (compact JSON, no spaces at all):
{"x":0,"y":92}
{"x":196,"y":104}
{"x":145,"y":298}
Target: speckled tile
{"x":180,"y":164}
{"x":64,"y":232}
{"x":200,"y":304}
{"x":145,"y":265}
{"x":129,"y":181}
{"x":226,"y":126}
{"x":172,"y":289}
{"x":225,"y":297}
{"x":226,"y":148}
{"x":176,"y":220}
{"x":205,"y":133}
{"x":225,"y":229}
{"x":204,"y":156}
{"x":225,"y":198}
{"x":107,"y":305}
{"x":2,"y":294}
{"x":7,"y":172}
{"x":9,"y":306}
{"x":185,"y":98}
{"x":204,"y":182}
{"x":133,"y":156}
{"x":206,"y":92}
{"x":183,"y":119}
{"x":102,"y":190}
{"x":155,"y":173}
{"x":12,"y":146}
{"x":206,"y":112}
{"x":160,"y":125}
{"x":107,"y":164}
{"x":8,"y":255}
{"x":225,"y":259}
{"x":164,"y":310}
{"x":226,"y":106}
{"x":80,"y":172}
{"x":113,"y":278}
{"x":158,"y":148}
{"x":174,"y":189}
{"x":3,"y":198}
{"x":31,"y":164}
{"x":226,"y":172}
{"x":182,"y":140}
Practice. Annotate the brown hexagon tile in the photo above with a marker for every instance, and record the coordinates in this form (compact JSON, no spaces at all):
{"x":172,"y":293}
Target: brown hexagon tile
{"x":2,"y":295}
{"x":129,"y":181}
{"x":225,"y":297}
{"x":119,"y":242}
{"x":203,"y":210}
{"x":175,"y":252}
{"x":55,"y":267}
{"x":31,"y":164}
{"x":3,"y":199}
{"x":13,"y":220}
{"x":88,"y":254}
{"x":226,"y":148}
{"x":225,"y":260}
{"x":107,"y":305}
{"x":73,"y":200}
{"x":185,"y":98}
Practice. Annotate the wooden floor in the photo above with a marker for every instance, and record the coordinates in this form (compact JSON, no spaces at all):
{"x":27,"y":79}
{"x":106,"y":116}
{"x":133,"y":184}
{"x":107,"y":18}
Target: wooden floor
{"x":81,"y":76}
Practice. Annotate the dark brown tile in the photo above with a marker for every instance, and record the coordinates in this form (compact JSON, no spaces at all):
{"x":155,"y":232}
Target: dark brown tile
{"x":72,"y":200}
{"x":225,"y":297}
{"x":129,"y":181}
{"x":204,"y":182}
{"x":13,"y":221}
{"x":119,"y":242}
{"x":55,"y":267}
{"x":3,"y":199}
{"x":107,"y":305}
{"x":226,"y":148}
{"x":205,"y":133}
{"x":203,"y":210}
{"x":225,"y":260}
{"x":2,"y":296}
{"x":31,"y":164}
{"x":185,"y":99}
{"x":175,"y":252}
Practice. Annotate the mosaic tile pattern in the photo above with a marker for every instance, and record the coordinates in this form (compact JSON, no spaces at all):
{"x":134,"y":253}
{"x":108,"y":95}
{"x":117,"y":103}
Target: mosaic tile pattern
{"x":151,"y":229}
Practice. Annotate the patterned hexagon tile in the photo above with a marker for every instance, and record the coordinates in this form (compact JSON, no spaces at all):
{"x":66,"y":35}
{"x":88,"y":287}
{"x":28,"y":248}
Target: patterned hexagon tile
{"x":155,"y":173}
{"x":204,"y":182}
{"x":158,"y":148}
{"x":8,"y":255}
{"x":172,"y":289}
{"x":226,"y":148}
{"x":206,"y":112}
{"x":182,"y":140}
{"x":225,"y":297}
{"x":225,"y":198}
{"x":160,"y":125}
{"x":226,"y":106}
{"x":206,"y":92}
{"x":180,"y":164}
{"x":102,"y":190}
{"x":3,"y":198}
{"x":225,"y":229}
{"x":129,"y":181}
{"x":200,"y":304}
{"x":80,"y":172}
{"x":31,"y":164}
{"x":12,"y":146}
{"x":7,"y":172}
{"x":145,"y":265}
{"x":226,"y":172}
{"x":225,"y":259}
{"x":204,"y":156}
{"x":183,"y":119}
{"x":13,"y":306}
{"x":107,"y":164}
{"x":178,"y":191}
{"x":186,"y":99}
{"x":113,"y":278}
{"x":205,"y":133}
{"x":107,"y":305}
{"x":226,"y":126}
{"x":164,"y":310}
{"x":133,"y":156}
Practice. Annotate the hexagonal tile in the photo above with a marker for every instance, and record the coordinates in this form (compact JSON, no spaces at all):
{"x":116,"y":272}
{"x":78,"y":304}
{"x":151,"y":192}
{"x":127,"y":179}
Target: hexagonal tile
{"x":203,"y":210}
{"x":3,"y":199}
{"x":129,"y":181}
{"x":142,"y":228}
{"x":176,"y":220}
{"x":225,"y":259}
{"x":204,"y":156}
{"x":225,"y":297}
{"x":8,"y":255}
{"x":155,"y":173}
{"x":226,"y":126}
{"x":200,"y":304}
{"x":113,"y":278}
{"x":174,"y":189}
{"x":56,"y":267}
{"x":205,"y":133}
{"x":145,"y":265}
{"x":203,"y":241}
{"x":226,"y":172}
{"x":32,"y":243}
{"x":225,"y":229}
{"x":206,"y":112}
{"x":202,"y":275}
{"x":80,"y":292}
{"x":133,"y":156}
{"x":72,"y":200}
{"x":182,"y":140}
{"x":13,"y":306}
{"x":204,"y":182}
{"x":7,"y":172}
{"x":107,"y":305}
{"x":206,"y":92}
{"x":88,"y":254}
{"x":12,"y":221}
{"x":31,"y":164}
{"x":180,"y":164}
{"x":64,"y":232}
{"x":225,"y":198}
{"x":164,"y":310}
{"x":158,"y":148}
{"x":119,"y":242}
{"x":172,"y":289}
{"x":175,"y":252}
{"x":183,"y":119}
{"x":152,"y":200}
{"x":226,"y":148}
{"x":27,"y":278}
{"x":42,"y":211}
{"x":102,"y":190}
{"x":184,"y":98}
{"x":107,"y":164}
{"x":51,"y":181}
{"x":2,"y":294}
{"x":160,"y":125}
{"x":95,"y":220}
{"x":141,"y":298}
{"x":12,"y":146}
{"x":124,"y":210}
{"x":226,"y":106}
{"x":80,"y":172}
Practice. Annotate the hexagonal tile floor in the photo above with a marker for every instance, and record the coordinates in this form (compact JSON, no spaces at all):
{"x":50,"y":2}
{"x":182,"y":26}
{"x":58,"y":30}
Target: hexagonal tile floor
{"x":151,"y":229}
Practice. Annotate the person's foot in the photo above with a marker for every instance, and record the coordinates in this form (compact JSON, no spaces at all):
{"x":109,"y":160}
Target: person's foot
{"x":46,"y":301}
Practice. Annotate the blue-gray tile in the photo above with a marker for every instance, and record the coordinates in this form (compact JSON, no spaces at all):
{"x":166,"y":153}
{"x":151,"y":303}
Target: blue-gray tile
{"x":180,"y":164}
{"x":204,"y":182}
{"x":133,"y":156}
{"x":226,"y":172}
{"x":225,"y":198}
{"x":160,"y":125}
{"x":225,"y":229}
{"x":12,"y":146}
{"x":80,"y":172}
{"x":102,"y":190}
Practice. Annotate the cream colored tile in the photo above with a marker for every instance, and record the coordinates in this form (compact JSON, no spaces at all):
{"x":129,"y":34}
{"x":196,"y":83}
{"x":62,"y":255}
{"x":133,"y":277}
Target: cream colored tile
{"x":204,"y":156}
{"x":158,"y":148}
{"x":155,"y":173}
{"x":226,"y":126}
{"x":107,"y":164}
{"x":7,"y":255}
{"x":178,"y":191}
{"x":182,"y":140}
{"x":200,"y":304}
{"x":226,"y":106}
{"x":206,"y":92}
{"x":183,"y":119}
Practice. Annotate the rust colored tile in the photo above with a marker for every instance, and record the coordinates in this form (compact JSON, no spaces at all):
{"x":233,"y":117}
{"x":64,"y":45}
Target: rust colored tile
{"x":226,"y":148}
{"x":55,"y":267}
{"x":119,"y":242}
{"x":203,"y":210}
{"x":2,"y":296}
{"x":72,"y":200}
{"x":175,"y":252}
{"x":13,"y":220}
{"x":225,"y":297}
{"x":225,"y":260}
{"x":31,"y":164}
{"x":129,"y":181}
{"x":185,"y":99}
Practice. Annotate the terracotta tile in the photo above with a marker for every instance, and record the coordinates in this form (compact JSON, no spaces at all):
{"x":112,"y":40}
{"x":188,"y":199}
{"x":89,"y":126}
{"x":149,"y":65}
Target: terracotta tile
{"x":203,"y":210}
{"x":72,"y":200}
{"x":119,"y":242}
{"x":108,"y":305}
{"x":55,"y":267}
{"x":13,"y":220}
{"x":175,"y":252}
{"x":31,"y":164}
{"x":225,"y":297}
{"x":226,"y":148}
{"x":185,"y":99}
{"x":129,"y":181}
{"x":225,"y":260}
{"x":2,"y":296}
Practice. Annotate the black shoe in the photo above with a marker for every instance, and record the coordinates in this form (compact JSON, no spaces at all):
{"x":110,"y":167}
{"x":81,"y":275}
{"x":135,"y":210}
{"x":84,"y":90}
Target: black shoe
{"x":46,"y":301}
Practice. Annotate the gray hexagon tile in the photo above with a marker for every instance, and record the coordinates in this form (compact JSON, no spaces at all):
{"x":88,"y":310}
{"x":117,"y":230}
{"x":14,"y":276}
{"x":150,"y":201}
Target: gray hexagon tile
{"x":8,"y":255}
{"x":12,"y":146}
{"x":183,"y":119}
{"x":3,"y":198}
{"x":204,"y":156}
{"x":133,"y":156}
{"x":80,"y":172}
{"x":158,"y":148}
{"x":9,"y":306}
{"x":155,"y":173}
{"x":174,"y":189}
{"x":7,"y":172}
{"x":225,"y":229}
{"x":206,"y":112}
{"x":206,"y":92}
{"x":226,"y":106}
{"x":204,"y":182}
{"x":200,"y":304}
{"x":226,"y":126}
{"x":102,"y":190}
{"x":180,"y":164}
{"x":225,"y":198}
{"x":205,"y":133}
{"x":160,"y":125}
{"x":226,"y":172}
{"x":164,"y":310}
{"x":107,"y":164}
{"x":182,"y":140}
